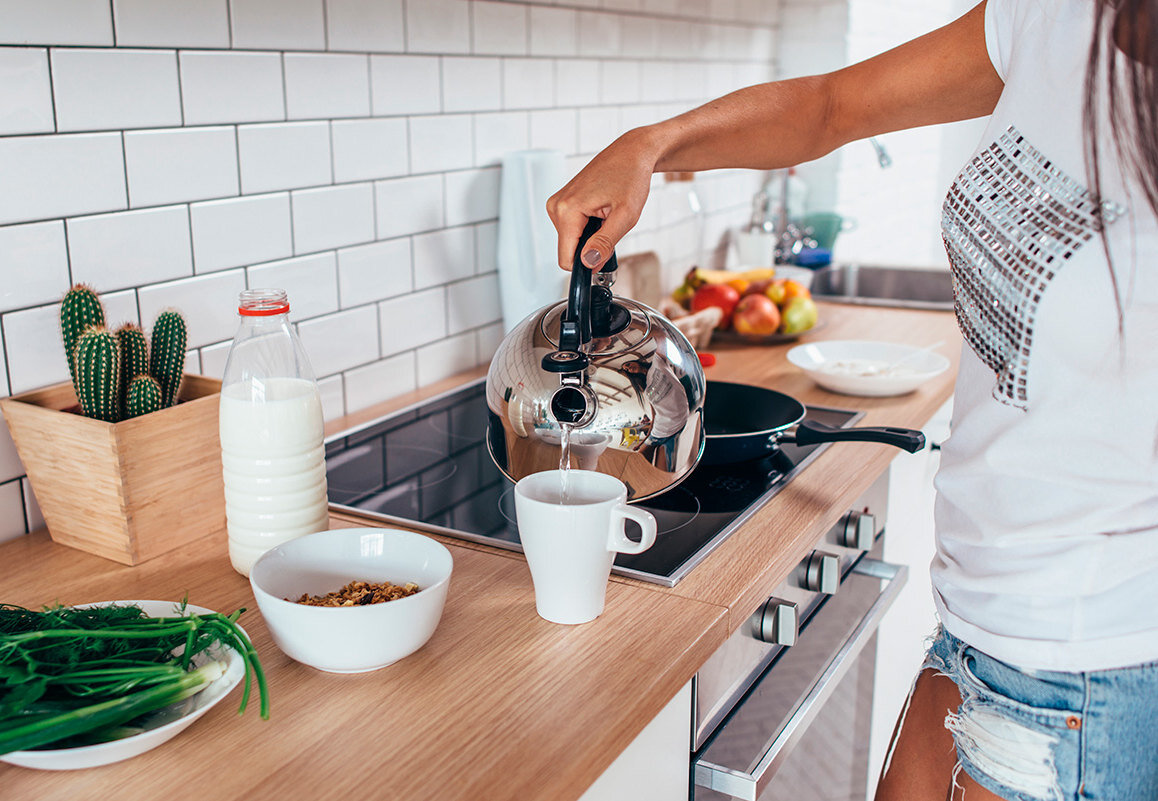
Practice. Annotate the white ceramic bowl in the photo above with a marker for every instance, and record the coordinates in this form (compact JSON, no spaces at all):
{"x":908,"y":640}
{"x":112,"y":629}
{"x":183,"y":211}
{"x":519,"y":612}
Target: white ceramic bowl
{"x":352,"y":639}
{"x":160,"y":726}
{"x":864,"y":367}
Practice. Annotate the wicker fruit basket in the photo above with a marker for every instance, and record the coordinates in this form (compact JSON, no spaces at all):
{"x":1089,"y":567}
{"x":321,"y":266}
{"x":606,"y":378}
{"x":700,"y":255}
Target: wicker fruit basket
{"x":697,"y":327}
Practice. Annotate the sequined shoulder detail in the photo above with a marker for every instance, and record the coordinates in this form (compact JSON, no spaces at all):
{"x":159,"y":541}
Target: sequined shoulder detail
{"x":1010,"y":222}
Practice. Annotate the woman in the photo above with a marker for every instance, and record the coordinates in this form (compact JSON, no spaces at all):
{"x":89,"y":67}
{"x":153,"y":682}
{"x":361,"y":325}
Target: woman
{"x":1042,"y":682}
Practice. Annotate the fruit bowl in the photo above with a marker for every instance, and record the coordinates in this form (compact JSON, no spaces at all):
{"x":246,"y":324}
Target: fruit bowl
{"x":765,"y":305}
{"x":731,"y":335}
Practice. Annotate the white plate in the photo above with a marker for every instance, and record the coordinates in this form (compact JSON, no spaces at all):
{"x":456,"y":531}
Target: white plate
{"x":864,"y":367}
{"x":162,"y":725}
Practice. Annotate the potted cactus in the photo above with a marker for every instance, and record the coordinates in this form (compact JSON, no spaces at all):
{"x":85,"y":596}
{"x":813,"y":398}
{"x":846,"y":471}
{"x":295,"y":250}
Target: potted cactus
{"x":119,"y":374}
{"x":124,"y":458}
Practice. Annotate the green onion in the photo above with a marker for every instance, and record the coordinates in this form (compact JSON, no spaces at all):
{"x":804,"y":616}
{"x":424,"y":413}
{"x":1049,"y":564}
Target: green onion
{"x":116,"y":712}
{"x":80,"y":675}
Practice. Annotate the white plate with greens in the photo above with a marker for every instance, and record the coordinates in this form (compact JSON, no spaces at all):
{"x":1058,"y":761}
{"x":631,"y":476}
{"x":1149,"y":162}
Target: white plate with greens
{"x":157,"y":727}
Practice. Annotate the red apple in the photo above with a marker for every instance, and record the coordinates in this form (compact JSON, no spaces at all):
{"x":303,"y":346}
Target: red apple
{"x":756,"y":314}
{"x":721,"y":296}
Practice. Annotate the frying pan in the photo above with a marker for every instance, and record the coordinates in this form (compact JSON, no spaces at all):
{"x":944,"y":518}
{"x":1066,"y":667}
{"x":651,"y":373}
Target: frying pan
{"x":743,"y":422}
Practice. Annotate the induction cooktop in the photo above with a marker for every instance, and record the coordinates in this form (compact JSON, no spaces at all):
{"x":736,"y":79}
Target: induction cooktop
{"x":427,"y":467}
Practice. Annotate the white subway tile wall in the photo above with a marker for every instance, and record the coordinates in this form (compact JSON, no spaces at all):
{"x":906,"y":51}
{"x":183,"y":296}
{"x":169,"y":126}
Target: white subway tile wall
{"x":224,"y":86}
{"x":59,"y":176}
{"x":25,"y":91}
{"x":114,"y":88}
{"x":278,"y":24}
{"x":35,"y":264}
{"x":233,"y":233}
{"x":364,"y":26}
{"x":172,"y":165}
{"x":171,"y":23}
{"x":332,"y":217}
{"x":62,"y":22}
{"x":408,"y":205}
{"x":376,"y":148}
{"x":174,"y":152}
{"x":115,"y":251}
{"x":369,"y":273}
{"x":318,"y":85}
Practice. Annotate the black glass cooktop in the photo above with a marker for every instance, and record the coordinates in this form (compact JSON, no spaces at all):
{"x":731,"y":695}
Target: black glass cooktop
{"x":427,"y":467}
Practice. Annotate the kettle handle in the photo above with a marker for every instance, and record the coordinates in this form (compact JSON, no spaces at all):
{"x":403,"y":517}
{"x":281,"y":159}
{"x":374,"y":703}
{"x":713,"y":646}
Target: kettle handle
{"x":575,"y":323}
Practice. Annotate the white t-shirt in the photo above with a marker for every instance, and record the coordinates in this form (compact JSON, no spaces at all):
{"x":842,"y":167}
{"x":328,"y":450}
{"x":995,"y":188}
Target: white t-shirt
{"x":1047,"y":506}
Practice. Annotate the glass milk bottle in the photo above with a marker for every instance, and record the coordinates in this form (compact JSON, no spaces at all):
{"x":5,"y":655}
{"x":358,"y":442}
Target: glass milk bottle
{"x":272,"y":454}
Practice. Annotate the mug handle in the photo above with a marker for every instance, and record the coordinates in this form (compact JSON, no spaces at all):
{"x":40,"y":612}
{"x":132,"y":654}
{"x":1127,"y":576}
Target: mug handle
{"x":618,"y":540}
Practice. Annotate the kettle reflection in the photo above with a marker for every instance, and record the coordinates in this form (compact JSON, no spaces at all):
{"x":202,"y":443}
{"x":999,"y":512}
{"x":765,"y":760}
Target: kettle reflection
{"x":585,"y":447}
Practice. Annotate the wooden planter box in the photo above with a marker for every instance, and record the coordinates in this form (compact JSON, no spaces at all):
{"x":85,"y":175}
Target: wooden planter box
{"x":126,"y":491}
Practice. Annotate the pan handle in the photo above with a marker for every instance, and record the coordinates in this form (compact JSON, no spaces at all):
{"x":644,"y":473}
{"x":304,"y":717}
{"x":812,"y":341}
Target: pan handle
{"x":810,"y":432}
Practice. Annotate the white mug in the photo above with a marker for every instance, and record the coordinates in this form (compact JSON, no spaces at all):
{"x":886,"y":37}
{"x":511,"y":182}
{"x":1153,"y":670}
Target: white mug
{"x":571,"y":542}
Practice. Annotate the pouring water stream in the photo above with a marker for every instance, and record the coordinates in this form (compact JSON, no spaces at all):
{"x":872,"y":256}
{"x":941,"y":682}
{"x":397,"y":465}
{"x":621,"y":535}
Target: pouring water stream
{"x":564,"y":461}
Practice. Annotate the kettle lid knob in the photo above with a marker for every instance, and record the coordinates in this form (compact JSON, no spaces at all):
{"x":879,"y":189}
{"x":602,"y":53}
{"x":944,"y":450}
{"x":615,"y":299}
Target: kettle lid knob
{"x":565,"y":361}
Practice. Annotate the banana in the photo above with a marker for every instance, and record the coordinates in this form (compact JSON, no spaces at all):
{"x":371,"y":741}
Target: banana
{"x":698,"y":276}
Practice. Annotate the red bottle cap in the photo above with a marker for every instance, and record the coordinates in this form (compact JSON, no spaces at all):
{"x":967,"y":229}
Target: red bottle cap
{"x":264,"y":311}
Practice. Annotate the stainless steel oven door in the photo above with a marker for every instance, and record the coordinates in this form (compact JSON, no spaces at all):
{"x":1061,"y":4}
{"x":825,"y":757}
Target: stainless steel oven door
{"x":753,"y":754}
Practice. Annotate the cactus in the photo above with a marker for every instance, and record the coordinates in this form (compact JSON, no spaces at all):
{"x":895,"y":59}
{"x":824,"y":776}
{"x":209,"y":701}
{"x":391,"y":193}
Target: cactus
{"x":120,"y":357}
{"x":144,"y":396}
{"x":79,"y":309}
{"x":134,"y":355}
{"x":98,"y":373}
{"x":167,"y":357}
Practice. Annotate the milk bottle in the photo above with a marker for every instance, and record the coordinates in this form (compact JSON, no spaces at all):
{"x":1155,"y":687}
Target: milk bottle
{"x":272,"y":456}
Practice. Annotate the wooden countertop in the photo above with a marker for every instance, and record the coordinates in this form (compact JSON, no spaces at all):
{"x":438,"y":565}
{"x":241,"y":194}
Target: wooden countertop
{"x":499,"y":704}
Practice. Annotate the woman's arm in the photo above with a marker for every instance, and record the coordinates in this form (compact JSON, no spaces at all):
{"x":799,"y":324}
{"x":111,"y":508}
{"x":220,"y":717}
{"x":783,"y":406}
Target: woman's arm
{"x":943,"y":76}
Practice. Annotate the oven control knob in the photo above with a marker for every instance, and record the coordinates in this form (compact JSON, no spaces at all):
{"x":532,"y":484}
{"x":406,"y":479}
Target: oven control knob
{"x":859,"y":530}
{"x":775,"y":622}
{"x":822,"y":574}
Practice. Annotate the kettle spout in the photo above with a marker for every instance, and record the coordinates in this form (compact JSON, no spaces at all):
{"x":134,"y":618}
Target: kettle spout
{"x":573,"y":403}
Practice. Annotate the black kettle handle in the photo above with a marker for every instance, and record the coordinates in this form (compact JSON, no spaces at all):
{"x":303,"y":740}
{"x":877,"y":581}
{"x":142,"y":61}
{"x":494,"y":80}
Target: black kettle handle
{"x":810,"y":432}
{"x":575,"y":325}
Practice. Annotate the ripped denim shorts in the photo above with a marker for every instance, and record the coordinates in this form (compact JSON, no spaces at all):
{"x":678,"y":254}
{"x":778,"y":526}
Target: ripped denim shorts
{"x":1052,"y":736}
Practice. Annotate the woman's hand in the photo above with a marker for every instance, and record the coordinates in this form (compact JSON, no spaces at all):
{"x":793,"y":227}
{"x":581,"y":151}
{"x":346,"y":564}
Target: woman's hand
{"x":614,"y":186}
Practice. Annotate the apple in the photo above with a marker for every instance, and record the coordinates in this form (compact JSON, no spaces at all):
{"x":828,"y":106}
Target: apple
{"x":799,"y":314}
{"x":722,"y":296}
{"x":756,"y":314}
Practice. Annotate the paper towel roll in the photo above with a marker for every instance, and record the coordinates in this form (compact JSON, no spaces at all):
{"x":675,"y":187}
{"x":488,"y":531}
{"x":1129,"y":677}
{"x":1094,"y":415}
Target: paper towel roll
{"x":529,"y":274}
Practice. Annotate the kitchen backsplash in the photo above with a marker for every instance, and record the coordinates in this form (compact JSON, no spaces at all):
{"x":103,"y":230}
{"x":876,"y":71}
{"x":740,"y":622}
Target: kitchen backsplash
{"x":174,"y":152}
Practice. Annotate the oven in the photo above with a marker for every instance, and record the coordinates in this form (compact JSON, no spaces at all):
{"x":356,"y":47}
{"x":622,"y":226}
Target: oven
{"x":782,"y":709}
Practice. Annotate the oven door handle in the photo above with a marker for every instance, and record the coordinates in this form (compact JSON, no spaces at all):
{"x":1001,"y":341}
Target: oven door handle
{"x":748,"y":785}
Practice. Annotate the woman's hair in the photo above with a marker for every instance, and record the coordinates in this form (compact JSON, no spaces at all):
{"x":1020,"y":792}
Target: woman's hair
{"x":1120,"y":82}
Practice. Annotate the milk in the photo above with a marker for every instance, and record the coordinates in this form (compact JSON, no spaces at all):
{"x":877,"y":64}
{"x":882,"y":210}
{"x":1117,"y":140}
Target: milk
{"x":274,"y":465}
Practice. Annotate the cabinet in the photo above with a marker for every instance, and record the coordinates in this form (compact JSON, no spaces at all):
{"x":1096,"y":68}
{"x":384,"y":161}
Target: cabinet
{"x":657,"y":764}
{"x":909,"y":541}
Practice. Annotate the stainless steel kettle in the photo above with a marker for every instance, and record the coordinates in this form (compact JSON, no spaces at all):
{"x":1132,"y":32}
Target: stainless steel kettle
{"x":614,"y":376}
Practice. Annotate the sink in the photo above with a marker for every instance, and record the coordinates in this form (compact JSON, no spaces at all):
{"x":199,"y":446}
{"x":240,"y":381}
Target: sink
{"x":884,"y":286}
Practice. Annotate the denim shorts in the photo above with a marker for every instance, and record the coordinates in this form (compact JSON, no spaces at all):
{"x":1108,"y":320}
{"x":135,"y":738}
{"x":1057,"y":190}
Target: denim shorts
{"x":1052,"y":736}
